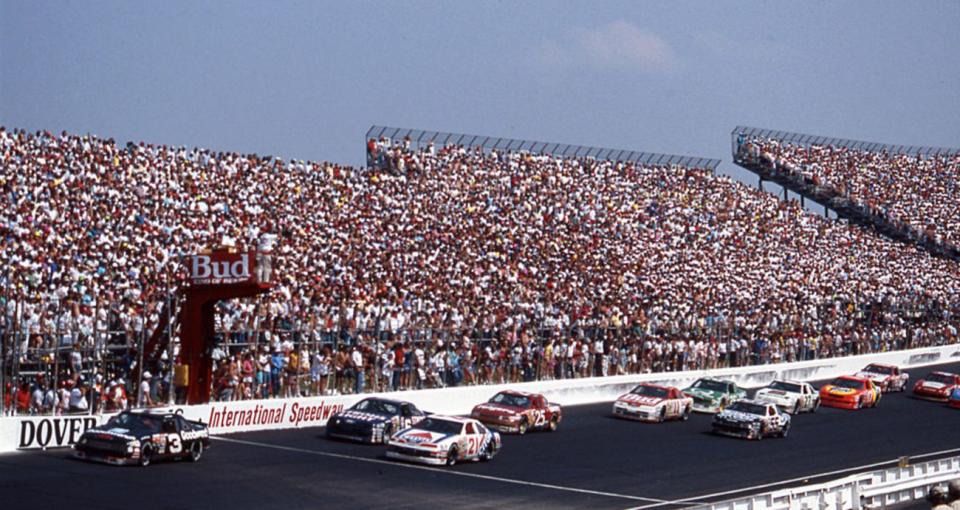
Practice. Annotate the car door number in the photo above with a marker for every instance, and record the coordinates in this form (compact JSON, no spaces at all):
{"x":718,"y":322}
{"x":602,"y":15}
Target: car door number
{"x":174,"y":443}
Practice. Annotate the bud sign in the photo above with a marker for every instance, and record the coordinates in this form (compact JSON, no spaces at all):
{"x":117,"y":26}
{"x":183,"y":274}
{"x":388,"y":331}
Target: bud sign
{"x":221,"y":268}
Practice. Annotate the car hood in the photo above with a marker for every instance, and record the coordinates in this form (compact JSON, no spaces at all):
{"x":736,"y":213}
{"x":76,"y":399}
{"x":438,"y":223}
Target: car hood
{"x":118,"y":434}
{"x":873,"y":376}
{"x":737,"y":416}
{"x":933,"y":385}
{"x":702,"y":393}
{"x":362,"y":416}
{"x":417,"y":436}
{"x":839,"y":390}
{"x":778,"y":394}
{"x":497,"y":409}
{"x":640,"y":400}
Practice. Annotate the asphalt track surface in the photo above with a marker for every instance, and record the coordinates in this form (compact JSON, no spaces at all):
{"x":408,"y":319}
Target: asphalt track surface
{"x":592,"y":461}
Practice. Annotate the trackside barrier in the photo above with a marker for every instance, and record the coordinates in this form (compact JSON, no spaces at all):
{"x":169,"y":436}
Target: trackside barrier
{"x":877,"y":489}
{"x":24,"y":432}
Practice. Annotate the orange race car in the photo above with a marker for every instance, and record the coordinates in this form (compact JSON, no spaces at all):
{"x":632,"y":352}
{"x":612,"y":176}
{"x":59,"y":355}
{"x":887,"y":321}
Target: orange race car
{"x":850,"y":392}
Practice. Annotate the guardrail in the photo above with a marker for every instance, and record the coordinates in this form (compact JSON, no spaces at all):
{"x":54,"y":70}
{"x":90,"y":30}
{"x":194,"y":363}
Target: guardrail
{"x":25,"y":432}
{"x":877,"y":489}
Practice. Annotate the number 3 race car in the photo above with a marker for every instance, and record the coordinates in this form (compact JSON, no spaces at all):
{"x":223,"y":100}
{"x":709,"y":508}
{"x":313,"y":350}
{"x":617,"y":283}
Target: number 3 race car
{"x":888,"y":377}
{"x":849,"y":392}
{"x":444,"y":440}
{"x":649,"y":402}
{"x":373,"y":420}
{"x":713,"y":395}
{"x":517,"y":412}
{"x":936,"y":386}
{"x":791,"y":396}
{"x":752,"y":420}
{"x":140,"y":437}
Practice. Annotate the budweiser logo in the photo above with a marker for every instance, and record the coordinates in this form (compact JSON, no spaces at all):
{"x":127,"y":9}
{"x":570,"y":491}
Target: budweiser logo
{"x":205,"y":270}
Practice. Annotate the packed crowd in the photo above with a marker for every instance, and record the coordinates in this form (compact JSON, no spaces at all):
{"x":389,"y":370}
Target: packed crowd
{"x":440,"y":266}
{"x":914,"y":192}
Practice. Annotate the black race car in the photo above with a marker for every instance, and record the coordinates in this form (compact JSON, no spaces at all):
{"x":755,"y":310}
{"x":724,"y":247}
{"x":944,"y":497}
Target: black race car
{"x":372,"y":420}
{"x":141,"y":437}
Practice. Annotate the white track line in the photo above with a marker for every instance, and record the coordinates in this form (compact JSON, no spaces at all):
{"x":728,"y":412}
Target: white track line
{"x":438,"y":470}
{"x":700,"y":499}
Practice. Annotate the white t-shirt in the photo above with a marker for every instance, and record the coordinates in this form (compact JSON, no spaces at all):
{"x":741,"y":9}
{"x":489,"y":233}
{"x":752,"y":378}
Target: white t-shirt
{"x":357,"y":359}
{"x":77,"y":399}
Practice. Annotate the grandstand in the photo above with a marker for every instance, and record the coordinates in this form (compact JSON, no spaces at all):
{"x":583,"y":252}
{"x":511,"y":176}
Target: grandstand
{"x":486,"y":256}
{"x":904,"y":192}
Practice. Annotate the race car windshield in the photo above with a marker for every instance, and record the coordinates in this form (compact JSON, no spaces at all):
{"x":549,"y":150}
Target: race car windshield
{"x":707,"y":384}
{"x":879,"y":369}
{"x":650,"y":391}
{"x":440,"y":426}
{"x":848,"y":383}
{"x":940,"y":378}
{"x":137,"y":422}
{"x":372,"y":405}
{"x":785,"y":386}
{"x":747,"y":407}
{"x":510,"y":400}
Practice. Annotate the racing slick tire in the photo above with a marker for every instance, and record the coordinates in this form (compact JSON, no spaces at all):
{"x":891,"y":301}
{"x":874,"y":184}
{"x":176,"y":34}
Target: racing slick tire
{"x":196,"y":451}
{"x":723,"y":405}
{"x":387,"y":432}
{"x":816,"y":406}
{"x":522,"y":428}
{"x":686,"y":414}
{"x":784,"y":431}
{"x":756,"y":431}
{"x":452,"y":454}
{"x":876,"y":401}
{"x":796,"y":408}
{"x":662,"y":417}
{"x":146,"y":456}
{"x":485,"y":455}
{"x":859,"y":403}
{"x":552,"y":426}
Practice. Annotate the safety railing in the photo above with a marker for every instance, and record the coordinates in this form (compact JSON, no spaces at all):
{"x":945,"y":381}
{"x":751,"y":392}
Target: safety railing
{"x":882,"y":488}
{"x":419,"y":139}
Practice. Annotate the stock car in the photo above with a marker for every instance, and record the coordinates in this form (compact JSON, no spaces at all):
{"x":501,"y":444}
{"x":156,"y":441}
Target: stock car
{"x":794,"y":397}
{"x":936,"y":386}
{"x":713,"y":395}
{"x":372,"y":420}
{"x":650,"y":402}
{"x":850,"y":392}
{"x":955,"y":398}
{"x":442,"y":440}
{"x":888,"y":377}
{"x":751,"y":419}
{"x":517,"y":412}
{"x":141,"y":437}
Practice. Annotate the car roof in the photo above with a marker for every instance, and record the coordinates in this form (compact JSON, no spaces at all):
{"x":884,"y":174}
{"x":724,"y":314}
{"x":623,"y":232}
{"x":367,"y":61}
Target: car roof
{"x":789,"y":381}
{"x":885,"y":365}
{"x":853,"y":378}
{"x":519,"y":393}
{"x":754,"y":402}
{"x":662,"y":387}
{"x":387,"y":400}
{"x":458,"y":419}
{"x":727,"y":381}
{"x":949,"y":374}
{"x":156,"y":413}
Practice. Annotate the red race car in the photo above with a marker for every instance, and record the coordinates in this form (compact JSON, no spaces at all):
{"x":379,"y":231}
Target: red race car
{"x":936,"y":386}
{"x":517,"y":412}
{"x":849,"y":392}
{"x":888,"y":377}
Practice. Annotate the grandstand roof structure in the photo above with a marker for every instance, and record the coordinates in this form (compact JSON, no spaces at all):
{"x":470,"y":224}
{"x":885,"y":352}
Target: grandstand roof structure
{"x":808,"y":140}
{"x":489,"y":143}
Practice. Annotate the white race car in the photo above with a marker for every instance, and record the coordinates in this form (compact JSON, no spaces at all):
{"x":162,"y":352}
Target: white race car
{"x":444,"y":440}
{"x":650,"y":402}
{"x":888,"y":377}
{"x":793,"y":397}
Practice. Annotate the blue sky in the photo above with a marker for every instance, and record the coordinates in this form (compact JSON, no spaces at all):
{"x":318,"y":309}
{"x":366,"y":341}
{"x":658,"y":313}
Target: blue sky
{"x":306,"y":79}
